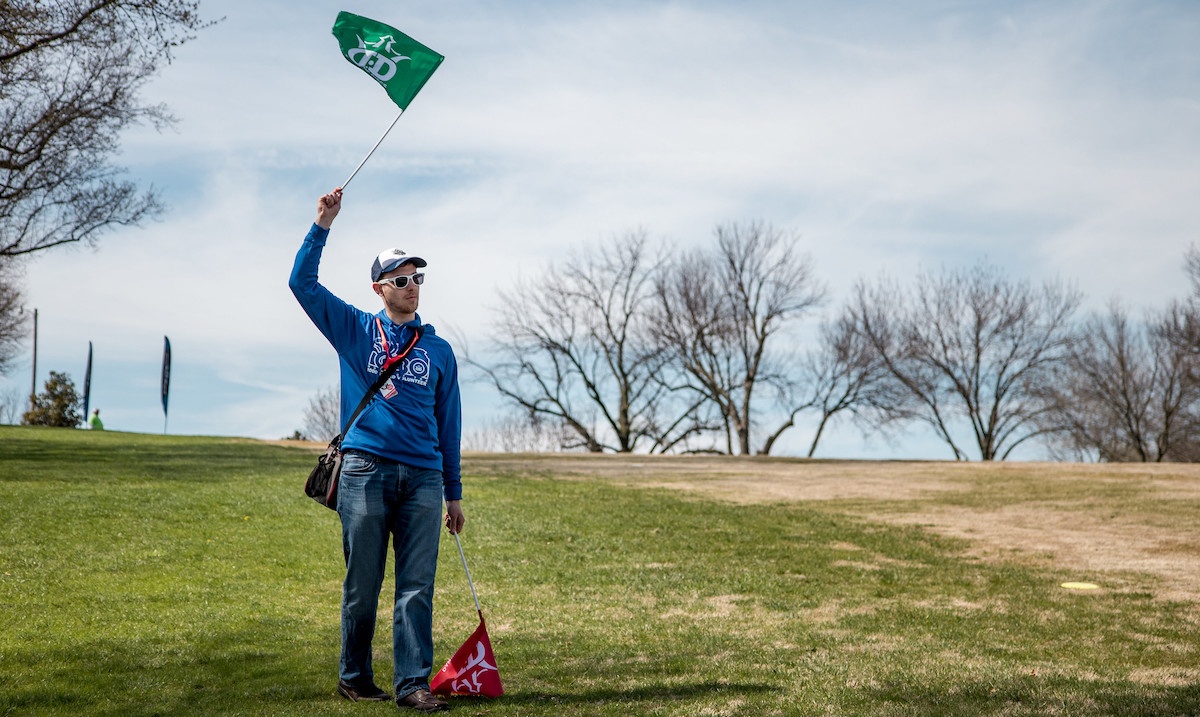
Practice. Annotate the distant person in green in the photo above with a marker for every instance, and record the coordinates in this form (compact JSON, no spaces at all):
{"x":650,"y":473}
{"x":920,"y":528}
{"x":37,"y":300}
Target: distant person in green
{"x":94,"y":421}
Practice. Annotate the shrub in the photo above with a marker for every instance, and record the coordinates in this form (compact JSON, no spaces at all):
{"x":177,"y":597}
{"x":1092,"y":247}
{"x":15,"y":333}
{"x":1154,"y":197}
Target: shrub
{"x":57,"y":406}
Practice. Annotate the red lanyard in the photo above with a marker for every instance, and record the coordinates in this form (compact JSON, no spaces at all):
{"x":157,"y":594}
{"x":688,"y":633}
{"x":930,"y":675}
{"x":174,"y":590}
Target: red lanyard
{"x":387,"y":352}
{"x":383,"y":339}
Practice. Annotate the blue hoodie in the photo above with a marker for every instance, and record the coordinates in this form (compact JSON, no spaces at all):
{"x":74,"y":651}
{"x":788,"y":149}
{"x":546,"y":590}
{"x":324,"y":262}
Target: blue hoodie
{"x":417,"y":418}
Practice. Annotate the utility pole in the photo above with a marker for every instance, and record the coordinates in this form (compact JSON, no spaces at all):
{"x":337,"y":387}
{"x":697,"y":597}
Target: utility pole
{"x":33,"y":390}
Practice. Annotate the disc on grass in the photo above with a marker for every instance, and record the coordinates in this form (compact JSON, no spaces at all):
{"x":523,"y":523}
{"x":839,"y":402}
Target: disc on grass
{"x":1081,"y":586}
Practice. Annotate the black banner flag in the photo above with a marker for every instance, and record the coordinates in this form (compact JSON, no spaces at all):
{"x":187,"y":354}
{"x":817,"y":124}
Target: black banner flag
{"x":87,"y":383}
{"x":166,"y":378}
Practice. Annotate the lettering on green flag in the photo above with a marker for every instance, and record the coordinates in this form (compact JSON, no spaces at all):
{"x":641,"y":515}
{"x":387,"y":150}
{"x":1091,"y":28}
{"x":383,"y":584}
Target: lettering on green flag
{"x":396,"y":61}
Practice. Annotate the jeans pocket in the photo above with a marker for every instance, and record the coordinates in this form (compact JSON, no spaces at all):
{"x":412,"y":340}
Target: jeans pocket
{"x":358,"y":463}
{"x":361,"y":489}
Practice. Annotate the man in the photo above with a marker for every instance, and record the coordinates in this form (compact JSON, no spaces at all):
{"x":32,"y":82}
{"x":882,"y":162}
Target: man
{"x":401,"y":460}
{"x":94,"y":422}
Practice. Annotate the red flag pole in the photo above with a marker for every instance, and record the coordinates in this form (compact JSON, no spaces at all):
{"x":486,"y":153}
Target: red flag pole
{"x":360,"y":164}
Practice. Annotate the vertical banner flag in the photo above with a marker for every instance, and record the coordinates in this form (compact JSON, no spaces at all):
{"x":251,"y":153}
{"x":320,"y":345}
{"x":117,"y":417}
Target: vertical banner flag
{"x":472,"y":670}
{"x":396,"y":61}
{"x":87,"y":383}
{"x":166,"y":378}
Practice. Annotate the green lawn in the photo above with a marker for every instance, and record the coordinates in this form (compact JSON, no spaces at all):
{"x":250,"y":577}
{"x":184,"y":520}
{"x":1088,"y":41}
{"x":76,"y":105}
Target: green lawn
{"x":149,"y":575}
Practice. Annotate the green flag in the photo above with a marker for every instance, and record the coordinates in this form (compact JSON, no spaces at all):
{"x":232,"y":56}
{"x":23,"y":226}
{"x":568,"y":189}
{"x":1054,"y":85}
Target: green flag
{"x":396,"y":61}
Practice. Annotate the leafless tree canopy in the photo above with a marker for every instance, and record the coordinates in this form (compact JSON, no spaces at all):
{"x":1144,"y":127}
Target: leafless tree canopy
{"x":14,"y":323}
{"x":1192,"y":267}
{"x":514,"y":433}
{"x":322,"y":418}
{"x":1125,"y":392}
{"x":970,"y":345}
{"x":846,"y":375}
{"x":618,"y":349}
{"x":717,"y":311}
{"x":70,"y":75}
{"x":1184,"y":330}
{"x":12,"y":403}
{"x":573,"y":346}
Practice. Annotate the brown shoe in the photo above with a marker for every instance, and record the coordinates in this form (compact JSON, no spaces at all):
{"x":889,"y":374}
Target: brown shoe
{"x":422,"y":701}
{"x":364,"y":692}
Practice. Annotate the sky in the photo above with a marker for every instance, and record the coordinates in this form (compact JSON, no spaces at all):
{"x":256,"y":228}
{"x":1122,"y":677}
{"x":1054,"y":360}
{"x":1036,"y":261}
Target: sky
{"x":1059,"y":141}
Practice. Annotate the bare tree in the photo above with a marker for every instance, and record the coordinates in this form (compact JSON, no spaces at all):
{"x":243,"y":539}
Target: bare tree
{"x":515,"y":433}
{"x":1184,"y":330}
{"x":1192,"y":267}
{"x":70,"y":75}
{"x":1175,"y":335}
{"x":1123,"y":393}
{"x":1179,"y":326}
{"x":12,"y":403}
{"x":969,"y":345}
{"x":718,"y":313}
{"x":574,"y":346}
{"x":14,"y":324}
{"x":322,"y":418}
{"x":846,"y":376}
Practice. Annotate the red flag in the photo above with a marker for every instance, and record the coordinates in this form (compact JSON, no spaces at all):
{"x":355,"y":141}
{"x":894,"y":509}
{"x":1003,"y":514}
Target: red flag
{"x":472,"y":671}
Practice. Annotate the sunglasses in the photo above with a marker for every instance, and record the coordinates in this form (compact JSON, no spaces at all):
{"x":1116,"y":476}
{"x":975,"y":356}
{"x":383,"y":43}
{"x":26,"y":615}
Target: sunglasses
{"x":402,"y":281}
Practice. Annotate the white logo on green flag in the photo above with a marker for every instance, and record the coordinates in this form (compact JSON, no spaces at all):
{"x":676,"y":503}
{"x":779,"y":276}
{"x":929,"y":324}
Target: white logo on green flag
{"x":395,"y":60}
{"x":381,"y":67}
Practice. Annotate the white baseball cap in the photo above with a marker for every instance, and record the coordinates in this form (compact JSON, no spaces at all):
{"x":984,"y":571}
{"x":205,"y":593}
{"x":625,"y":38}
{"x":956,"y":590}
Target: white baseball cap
{"x":392,"y":258}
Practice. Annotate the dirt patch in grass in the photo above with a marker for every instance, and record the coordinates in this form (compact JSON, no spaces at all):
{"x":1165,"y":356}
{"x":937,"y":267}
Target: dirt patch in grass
{"x":1082,"y":543}
{"x":1093,"y":523}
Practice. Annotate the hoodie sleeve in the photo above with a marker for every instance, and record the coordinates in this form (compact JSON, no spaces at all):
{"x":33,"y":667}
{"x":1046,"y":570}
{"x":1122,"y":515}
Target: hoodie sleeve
{"x":448,"y":413}
{"x":335,"y":319}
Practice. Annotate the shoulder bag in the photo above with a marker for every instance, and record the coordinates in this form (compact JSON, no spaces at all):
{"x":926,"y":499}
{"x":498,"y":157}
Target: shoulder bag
{"x":322,"y":483}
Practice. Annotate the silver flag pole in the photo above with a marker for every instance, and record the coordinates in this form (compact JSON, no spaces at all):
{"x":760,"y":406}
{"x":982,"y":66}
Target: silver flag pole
{"x":467,"y":570}
{"x":360,"y":164}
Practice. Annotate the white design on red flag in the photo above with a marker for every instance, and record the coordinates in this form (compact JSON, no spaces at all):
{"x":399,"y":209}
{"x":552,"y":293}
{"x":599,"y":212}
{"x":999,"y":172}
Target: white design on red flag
{"x":470,"y":680}
{"x":471,"y":671}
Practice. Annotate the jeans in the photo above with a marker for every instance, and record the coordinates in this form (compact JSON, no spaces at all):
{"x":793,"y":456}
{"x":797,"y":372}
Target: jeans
{"x":378,"y":498}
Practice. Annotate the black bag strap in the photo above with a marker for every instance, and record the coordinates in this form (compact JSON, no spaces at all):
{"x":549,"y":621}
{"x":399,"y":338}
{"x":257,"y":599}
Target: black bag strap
{"x":383,"y":377}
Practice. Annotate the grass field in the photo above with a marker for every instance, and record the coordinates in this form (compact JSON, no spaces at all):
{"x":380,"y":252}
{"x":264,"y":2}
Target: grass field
{"x":149,"y":575}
